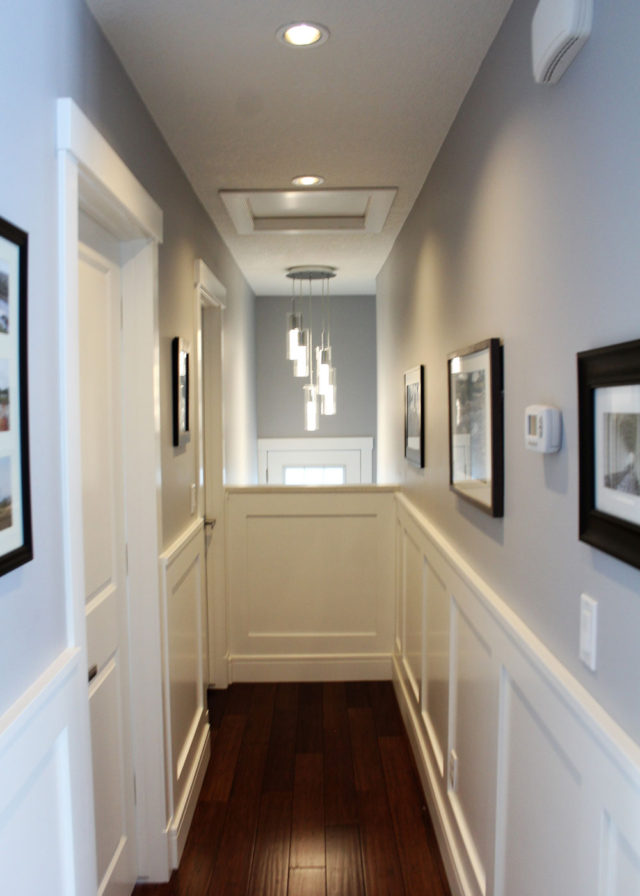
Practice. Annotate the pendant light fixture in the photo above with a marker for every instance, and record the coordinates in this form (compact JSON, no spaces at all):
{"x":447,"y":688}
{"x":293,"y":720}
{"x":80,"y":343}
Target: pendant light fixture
{"x":320,"y":391}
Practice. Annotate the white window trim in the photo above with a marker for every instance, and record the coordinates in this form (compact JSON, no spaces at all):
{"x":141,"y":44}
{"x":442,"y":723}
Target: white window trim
{"x":302,"y":447}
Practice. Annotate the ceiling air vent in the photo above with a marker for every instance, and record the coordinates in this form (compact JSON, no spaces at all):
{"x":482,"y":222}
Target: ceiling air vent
{"x":559,"y":31}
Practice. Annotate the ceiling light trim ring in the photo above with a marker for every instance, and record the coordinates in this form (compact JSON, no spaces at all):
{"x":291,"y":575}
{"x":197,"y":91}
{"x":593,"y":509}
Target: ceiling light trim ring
{"x":284,"y":30}
{"x":307,"y":180}
{"x":311,"y":272}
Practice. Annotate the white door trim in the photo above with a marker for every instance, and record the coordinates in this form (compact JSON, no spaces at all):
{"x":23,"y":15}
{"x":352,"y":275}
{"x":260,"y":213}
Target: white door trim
{"x":92,"y":176}
{"x":210,"y":293}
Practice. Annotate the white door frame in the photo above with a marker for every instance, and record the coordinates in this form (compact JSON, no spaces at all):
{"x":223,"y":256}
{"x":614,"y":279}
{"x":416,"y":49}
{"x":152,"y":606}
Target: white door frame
{"x":210,"y":293}
{"x":94,"y":178}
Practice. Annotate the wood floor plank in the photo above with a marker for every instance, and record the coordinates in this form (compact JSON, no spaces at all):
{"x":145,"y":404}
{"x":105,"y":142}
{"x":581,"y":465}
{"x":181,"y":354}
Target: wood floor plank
{"x":366,"y":756}
{"x":307,"y":825}
{"x":258,"y":728}
{"x":422,"y":867}
{"x":306,"y":882}
{"x":357,"y":694}
{"x":309,"y":733}
{"x":224,"y":756}
{"x":201,"y":850}
{"x":334,"y":705}
{"x":385,"y":706}
{"x":270,"y":865}
{"x":231,"y":870}
{"x":216,"y":703}
{"x":287,"y":696}
{"x":340,"y":804}
{"x":279,"y":769}
{"x":381,"y":864}
{"x":344,"y":861}
{"x":311,"y":791}
{"x":239,"y":699}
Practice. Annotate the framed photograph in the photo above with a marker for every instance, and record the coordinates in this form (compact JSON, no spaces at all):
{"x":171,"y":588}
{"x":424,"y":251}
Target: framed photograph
{"x":414,"y":415}
{"x":476,"y":427}
{"x":180,"y":378}
{"x":609,"y":435}
{"x":16,"y":545}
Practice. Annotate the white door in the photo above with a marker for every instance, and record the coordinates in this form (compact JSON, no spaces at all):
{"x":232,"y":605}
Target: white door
{"x":212,"y":478}
{"x":104,"y":534}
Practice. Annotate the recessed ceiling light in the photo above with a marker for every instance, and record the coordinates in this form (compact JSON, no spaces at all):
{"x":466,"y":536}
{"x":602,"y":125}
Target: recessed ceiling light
{"x":303,"y":34}
{"x":307,"y":180}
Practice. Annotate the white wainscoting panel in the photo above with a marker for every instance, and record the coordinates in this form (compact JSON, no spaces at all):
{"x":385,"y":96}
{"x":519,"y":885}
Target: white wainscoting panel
{"x":46,"y":808}
{"x":435,"y":695}
{"x":310,"y":583}
{"x":412,"y":635}
{"x":186,"y":718}
{"x":544,"y":796}
{"x":472,"y":721}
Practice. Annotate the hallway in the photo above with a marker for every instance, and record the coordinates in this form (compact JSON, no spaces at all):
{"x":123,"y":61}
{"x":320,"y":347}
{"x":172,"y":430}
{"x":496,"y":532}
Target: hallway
{"x":311,"y":790}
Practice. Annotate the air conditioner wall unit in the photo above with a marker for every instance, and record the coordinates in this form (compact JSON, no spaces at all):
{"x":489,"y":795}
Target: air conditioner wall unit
{"x":559,"y":30}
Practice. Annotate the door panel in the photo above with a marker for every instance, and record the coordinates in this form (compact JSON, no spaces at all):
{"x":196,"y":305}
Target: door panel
{"x":104,"y":557}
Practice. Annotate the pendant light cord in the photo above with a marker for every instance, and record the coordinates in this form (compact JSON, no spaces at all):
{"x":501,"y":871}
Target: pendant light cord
{"x":310,"y":335}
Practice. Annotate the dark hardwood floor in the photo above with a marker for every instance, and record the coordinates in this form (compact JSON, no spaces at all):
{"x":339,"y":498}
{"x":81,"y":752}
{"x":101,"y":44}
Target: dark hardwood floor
{"x":311,"y":791}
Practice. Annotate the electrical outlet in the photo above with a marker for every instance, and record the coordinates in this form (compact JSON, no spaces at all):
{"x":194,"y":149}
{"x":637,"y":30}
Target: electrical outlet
{"x":453,"y":771}
{"x":588,"y":631}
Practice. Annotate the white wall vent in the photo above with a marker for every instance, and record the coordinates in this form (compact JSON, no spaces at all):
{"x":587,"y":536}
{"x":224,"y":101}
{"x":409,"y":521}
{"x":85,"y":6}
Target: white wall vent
{"x":559,"y":31}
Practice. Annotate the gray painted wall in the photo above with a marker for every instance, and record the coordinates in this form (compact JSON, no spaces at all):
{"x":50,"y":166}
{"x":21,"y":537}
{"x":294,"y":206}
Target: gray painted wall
{"x":528,"y":229}
{"x":279,"y":393}
{"x":54,"y":50}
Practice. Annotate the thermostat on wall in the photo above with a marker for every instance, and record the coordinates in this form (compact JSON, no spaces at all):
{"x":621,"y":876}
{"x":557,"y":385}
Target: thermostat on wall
{"x":542,"y":428}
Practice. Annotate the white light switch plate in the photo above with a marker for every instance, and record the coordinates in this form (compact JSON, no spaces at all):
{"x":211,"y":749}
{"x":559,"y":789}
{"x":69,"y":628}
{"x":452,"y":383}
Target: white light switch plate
{"x":588,"y":631}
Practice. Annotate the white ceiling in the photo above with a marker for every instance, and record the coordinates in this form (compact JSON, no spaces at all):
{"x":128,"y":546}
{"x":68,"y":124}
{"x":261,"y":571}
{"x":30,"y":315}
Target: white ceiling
{"x":367,"y":109}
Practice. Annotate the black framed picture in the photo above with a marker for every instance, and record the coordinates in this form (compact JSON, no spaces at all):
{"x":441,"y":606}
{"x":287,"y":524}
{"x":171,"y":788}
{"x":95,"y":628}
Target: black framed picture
{"x":609,"y":437}
{"x":16,"y":545}
{"x":476,"y":425}
{"x":180,"y":380}
{"x":414,"y":415}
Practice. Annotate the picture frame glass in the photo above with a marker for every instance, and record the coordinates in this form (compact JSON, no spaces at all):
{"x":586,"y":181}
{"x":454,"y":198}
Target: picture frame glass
{"x":470,"y":390}
{"x":414,"y":447}
{"x":617,"y":451}
{"x":180,"y":375}
{"x":15,"y":508}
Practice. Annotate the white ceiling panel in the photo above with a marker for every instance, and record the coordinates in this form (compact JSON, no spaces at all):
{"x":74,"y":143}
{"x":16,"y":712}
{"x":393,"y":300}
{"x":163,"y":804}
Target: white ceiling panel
{"x":242,"y":112}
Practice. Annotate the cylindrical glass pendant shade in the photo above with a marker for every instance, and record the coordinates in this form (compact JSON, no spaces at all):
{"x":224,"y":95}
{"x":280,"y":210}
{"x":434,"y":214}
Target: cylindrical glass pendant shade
{"x":301,"y":361}
{"x":324,"y":368}
{"x":294,"y":325}
{"x":328,"y":401}
{"x":310,"y":407}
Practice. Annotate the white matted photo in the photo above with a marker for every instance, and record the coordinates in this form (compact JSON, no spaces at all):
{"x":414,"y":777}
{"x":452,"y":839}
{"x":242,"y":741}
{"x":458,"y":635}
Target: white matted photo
{"x":617,"y":467}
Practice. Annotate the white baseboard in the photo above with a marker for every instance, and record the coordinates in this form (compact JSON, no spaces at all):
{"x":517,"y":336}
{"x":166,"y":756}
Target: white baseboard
{"x":319,"y":667}
{"x":181,"y":822}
